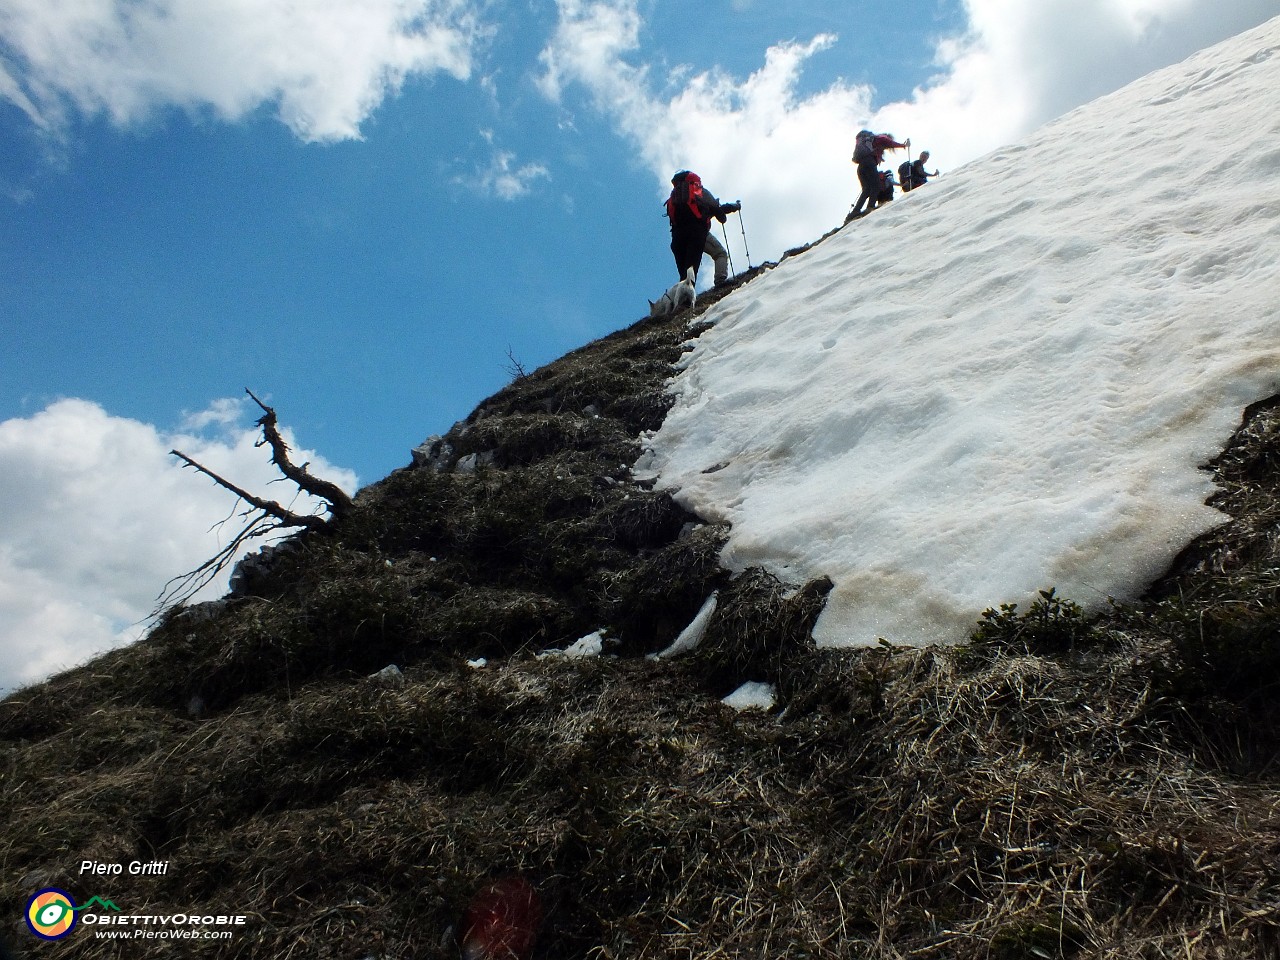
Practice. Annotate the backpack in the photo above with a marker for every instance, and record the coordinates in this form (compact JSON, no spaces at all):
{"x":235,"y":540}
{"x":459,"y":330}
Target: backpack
{"x":886,"y":187}
{"x":685,"y":193}
{"x":904,"y":175}
{"x":864,"y":149}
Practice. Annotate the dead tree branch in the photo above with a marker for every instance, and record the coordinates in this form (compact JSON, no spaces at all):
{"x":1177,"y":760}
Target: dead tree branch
{"x":339,"y":502}
{"x":263,"y":516}
{"x":286,"y":517}
{"x":182,"y":588}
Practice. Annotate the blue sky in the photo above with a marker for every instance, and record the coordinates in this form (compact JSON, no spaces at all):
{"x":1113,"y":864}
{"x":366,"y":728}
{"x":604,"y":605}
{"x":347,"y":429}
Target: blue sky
{"x":359,"y":208}
{"x":371,"y":287}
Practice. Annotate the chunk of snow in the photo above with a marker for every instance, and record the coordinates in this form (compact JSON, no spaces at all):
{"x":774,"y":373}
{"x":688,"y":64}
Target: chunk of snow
{"x":589,"y":646}
{"x":752,"y":695}
{"x":692,"y":635}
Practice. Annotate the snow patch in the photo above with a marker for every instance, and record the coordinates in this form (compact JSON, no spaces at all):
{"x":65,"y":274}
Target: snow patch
{"x":692,"y":635}
{"x":751,"y":696}
{"x":1007,"y":380}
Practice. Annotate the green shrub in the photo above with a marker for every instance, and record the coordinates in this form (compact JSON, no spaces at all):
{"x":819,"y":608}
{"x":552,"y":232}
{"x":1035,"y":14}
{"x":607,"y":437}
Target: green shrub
{"x":1050,"y":625}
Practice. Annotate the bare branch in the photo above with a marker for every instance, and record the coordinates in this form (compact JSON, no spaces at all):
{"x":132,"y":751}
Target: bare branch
{"x":262,"y":517}
{"x":339,"y":502}
{"x":515,"y":369}
{"x":286,"y":517}
{"x":183,"y":588}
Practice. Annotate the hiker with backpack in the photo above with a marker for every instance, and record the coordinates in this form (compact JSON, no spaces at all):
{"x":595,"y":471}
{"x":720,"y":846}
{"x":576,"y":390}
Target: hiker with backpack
{"x":691,"y":208}
{"x":904,"y":176}
{"x":887,"y":183}
{"x":919,"y":176}
{"x":868,"y":153}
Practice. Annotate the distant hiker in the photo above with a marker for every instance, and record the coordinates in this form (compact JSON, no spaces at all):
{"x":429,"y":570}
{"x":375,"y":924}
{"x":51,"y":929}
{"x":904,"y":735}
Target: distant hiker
{"x":919,"y":176}
{"x":690,"y":209}
{"x":868,"y":152}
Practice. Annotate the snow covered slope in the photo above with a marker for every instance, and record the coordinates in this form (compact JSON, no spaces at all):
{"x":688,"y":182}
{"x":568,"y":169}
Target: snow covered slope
{"x":1006,"y":380}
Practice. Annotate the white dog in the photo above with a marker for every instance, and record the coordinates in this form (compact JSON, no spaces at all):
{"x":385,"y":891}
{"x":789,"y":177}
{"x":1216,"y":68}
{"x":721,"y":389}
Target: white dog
{"x":677,"y":298}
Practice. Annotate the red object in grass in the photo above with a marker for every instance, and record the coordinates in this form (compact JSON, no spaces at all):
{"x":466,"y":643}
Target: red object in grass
{"x":501,"y":922}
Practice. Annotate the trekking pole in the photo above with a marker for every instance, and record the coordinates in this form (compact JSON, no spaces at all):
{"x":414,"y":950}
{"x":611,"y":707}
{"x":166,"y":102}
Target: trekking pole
{"x":742,"y":227}
{"x":725,"y":234}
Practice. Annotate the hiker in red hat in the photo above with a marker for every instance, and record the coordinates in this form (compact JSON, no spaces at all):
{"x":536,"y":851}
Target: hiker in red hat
{"x":868,"y":152}
{"x":690,"y":208}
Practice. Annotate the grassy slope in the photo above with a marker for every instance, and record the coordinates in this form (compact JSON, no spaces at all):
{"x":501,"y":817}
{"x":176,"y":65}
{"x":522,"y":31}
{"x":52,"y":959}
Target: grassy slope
{"x":1055,"y":788}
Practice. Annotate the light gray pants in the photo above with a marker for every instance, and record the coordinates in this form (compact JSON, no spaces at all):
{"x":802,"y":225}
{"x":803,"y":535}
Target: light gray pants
{"x":716,"y":251}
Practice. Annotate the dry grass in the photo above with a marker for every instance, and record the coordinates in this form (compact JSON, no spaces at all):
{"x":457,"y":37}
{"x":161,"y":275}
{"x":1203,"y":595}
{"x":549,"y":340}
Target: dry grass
{"x":1025,"y":808}
{"x":1057,"y":788}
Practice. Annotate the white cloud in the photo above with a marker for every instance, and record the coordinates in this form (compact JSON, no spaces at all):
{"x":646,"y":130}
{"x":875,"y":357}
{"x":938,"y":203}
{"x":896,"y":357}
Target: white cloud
{"x":225,"y":413}
{"x":1019,"y":64}
{"x":324,"y":64}
{"x":1023,"y":63}
{"x":99,"y":517}
{"x":11,"y":90}
{"x":587,"y":48}
{"x":752,"y":139}
{"x":502,"y":178}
